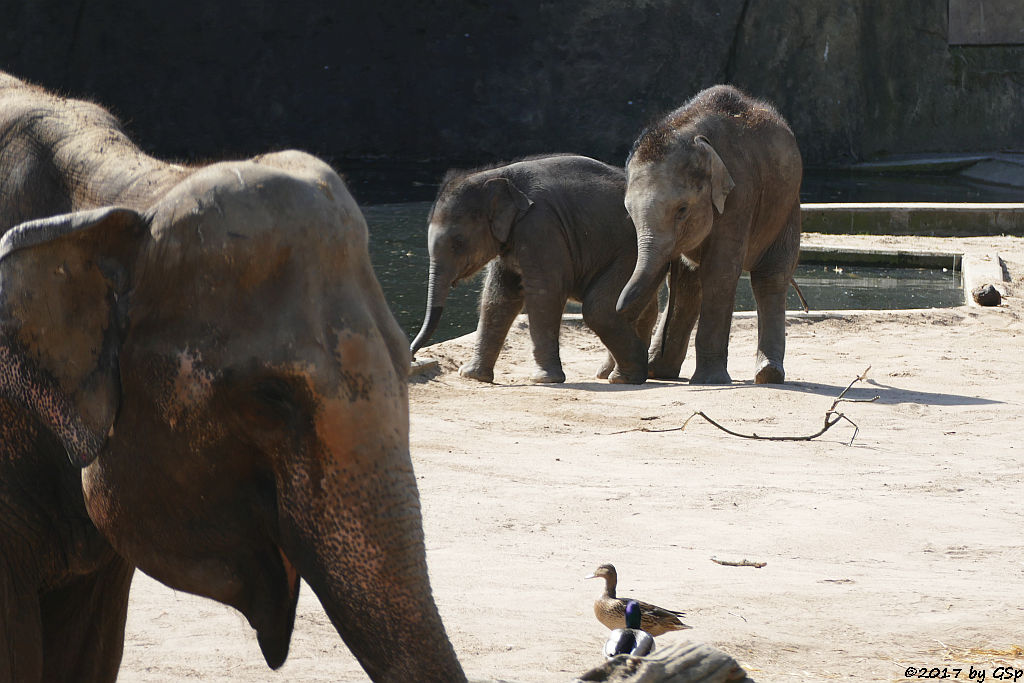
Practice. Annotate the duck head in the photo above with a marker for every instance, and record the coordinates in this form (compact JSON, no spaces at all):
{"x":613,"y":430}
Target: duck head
{"x":606,"y":572}
{"x":632,"y":614}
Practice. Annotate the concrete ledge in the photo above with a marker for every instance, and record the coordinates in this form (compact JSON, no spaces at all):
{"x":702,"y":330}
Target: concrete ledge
{"x":900,"y":258}
{"x":983,"y":270}
{"x":915,"y":218}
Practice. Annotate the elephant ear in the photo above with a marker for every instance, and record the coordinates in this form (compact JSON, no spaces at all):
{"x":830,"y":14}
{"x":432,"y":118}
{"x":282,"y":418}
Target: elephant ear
{"x":60,"y":328}
{"x":507,"y":205}
{"x":721,"y":180}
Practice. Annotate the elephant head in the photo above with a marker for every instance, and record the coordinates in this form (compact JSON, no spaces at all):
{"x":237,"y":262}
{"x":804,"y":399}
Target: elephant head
{"x":226,"y":371}
{"x":470,"y":223}
{"x":674,"y":187}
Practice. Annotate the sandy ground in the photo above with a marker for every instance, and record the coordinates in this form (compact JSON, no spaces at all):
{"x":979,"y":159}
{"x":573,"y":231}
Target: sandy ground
{"x":902,"y":549}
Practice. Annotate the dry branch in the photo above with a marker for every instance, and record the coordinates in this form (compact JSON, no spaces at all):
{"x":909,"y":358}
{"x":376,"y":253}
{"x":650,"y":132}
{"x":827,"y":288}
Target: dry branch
{"x":741,"y":563}
{"x":832,"y":417}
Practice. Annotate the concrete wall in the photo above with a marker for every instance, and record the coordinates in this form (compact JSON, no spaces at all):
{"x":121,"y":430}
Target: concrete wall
{"x":475,"y":80}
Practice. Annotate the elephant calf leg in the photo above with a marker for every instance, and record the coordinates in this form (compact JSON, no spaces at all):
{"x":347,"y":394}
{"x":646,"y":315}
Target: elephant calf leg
{"x":770,"y":295}
{"x":500,"y":303}
{"x":628,"y":353}
{"x":672,"y":337}
{"x":606,"y":368}
{"x":545,"y":317}
{"x":712,"y":342}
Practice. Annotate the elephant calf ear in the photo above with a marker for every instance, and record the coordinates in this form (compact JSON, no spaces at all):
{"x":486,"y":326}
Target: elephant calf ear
{"x":60,"y":333}
{"x":508,"y":204}
{"x":721,"y":180}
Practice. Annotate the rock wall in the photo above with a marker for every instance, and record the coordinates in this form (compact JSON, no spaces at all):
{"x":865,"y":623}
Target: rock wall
{"x":471,"y":80}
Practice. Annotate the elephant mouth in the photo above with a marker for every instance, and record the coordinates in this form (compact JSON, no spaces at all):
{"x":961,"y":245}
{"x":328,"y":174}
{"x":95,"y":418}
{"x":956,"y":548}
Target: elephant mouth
{"x":274,"y":616}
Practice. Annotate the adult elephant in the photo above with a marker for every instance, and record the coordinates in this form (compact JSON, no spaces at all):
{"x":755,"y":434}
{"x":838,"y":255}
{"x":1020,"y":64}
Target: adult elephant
{"x":718,"y":182}
{"x":552,"y":228}
{"x":200,"y":378}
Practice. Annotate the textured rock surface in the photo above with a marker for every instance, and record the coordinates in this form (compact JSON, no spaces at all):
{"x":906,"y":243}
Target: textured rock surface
{"x":986,"y":295}
{"x":475,"y":81}
{"x":678,"y":663}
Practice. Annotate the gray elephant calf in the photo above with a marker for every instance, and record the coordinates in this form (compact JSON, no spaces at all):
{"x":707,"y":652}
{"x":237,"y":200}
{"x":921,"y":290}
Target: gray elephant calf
{"x":553,"y":228}
{"x":717,"y":181}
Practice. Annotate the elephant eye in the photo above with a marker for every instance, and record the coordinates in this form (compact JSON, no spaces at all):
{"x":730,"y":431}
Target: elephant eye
{"x":458,"y":244}
{"x":681,"y":212}
{"x":276,"y":394}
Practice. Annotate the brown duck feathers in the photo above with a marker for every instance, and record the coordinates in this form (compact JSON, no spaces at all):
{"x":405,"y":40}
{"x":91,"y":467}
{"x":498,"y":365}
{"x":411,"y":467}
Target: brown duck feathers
{"x":611,"y":610}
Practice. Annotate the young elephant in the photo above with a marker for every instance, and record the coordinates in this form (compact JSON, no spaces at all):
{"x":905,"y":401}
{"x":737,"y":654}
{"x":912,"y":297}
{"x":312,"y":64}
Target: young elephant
{"x":552,"y":228}
{"x":717,"y":181}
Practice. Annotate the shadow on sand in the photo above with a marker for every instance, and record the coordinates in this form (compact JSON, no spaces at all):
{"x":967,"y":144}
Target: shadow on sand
{"x":869,"y":388}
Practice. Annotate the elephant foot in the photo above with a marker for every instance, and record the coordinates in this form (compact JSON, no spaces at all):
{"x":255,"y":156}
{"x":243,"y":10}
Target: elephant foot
{"x":770,"y":372}
{"x":710,"y":376}
{"x":621,"y":378}
{"x":606,"y":369}
{"x":547,"y":377}
{"x":471,"y":371}
{"x":658,"y":368}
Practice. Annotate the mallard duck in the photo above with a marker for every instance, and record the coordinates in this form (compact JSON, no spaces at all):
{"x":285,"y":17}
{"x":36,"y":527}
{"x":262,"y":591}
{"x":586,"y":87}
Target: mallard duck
{"x":611,"y":611}
{"x":631,"y":640}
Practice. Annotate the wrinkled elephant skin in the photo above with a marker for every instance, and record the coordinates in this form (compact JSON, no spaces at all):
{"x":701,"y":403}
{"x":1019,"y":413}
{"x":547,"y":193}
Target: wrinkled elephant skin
{"x":549,"y":229}
{"x":716,"y":182}
{"x":202,"y":380}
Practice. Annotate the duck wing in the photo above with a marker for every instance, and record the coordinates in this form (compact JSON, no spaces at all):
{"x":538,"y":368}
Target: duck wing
{"x":647,"y":609}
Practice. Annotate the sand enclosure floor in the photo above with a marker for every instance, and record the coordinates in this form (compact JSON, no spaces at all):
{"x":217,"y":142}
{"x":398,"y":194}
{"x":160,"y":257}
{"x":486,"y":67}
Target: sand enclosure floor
{"x":902,"y":549}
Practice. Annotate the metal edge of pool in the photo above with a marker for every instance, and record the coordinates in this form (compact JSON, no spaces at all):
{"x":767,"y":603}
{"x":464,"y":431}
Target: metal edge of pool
{"x":939,"y":219}
{"x":898,"y":258}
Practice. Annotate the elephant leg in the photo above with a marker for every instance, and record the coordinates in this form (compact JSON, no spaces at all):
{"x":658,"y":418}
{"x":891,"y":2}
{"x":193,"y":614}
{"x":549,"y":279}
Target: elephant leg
{"x":83,"y":625}
{"x":21,"y":636}
{"x":644,"y":327}
{"x":719,"y":274}
{"x":617,"y":332}
{"x":500,"y":303}
{"x":770,"y":282}
{"x":645,"y":323}
{"x":770,"y":295}
{"x":545,"y":314}
{"x":672,"y":337}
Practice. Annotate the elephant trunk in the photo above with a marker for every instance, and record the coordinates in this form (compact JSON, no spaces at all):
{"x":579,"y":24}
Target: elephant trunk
{"x":438,"y":284}
{"x":651,"y":264}
{"x":366,"y":560}
{"x":349,"y":517}
{"x":673,"y":294}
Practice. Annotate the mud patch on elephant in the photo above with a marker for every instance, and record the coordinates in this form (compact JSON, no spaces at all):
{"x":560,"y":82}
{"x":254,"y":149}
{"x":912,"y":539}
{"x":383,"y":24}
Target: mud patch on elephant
{"x":191,"y":386}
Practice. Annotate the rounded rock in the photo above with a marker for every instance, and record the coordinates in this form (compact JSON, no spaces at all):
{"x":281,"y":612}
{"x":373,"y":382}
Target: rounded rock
{"x":986,"y":295}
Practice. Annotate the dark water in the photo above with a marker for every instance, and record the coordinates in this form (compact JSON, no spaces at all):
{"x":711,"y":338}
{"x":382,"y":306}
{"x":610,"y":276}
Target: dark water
{"x":390,"y":182}
{"x":398,"y":236}
{"x":833,"y":186}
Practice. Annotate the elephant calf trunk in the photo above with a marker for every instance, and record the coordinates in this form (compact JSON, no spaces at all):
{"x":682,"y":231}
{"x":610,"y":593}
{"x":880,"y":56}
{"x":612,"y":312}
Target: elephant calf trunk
{"x":651,"y":268}
{"x":430,"y":324}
